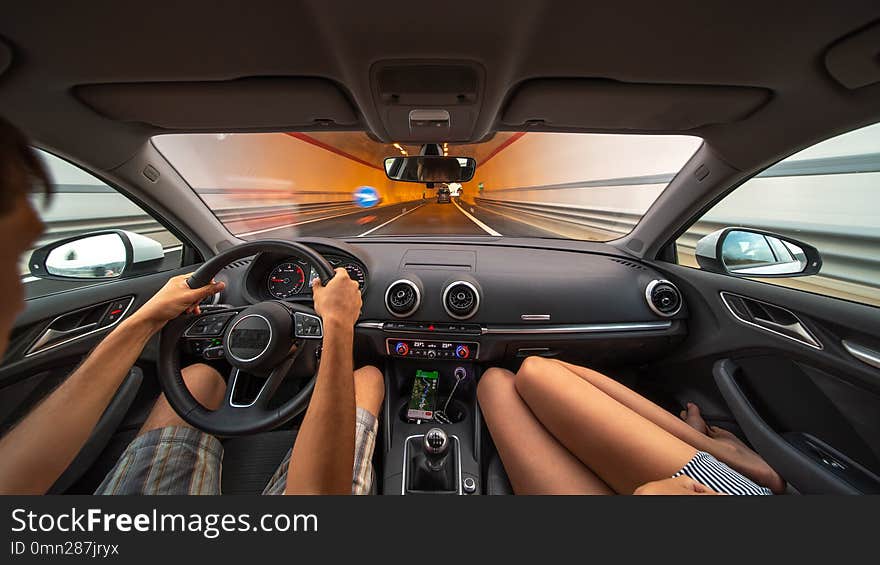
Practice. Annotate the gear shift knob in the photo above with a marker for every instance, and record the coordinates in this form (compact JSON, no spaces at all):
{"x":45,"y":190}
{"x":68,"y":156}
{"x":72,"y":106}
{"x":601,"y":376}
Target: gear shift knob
{"x":436,"y":445}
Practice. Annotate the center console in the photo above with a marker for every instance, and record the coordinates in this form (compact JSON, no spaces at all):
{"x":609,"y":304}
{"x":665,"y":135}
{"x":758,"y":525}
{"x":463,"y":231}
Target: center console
{"x":432,"y":423}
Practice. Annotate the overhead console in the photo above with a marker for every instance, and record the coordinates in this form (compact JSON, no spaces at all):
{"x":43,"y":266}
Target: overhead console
{"x":427,"y":101}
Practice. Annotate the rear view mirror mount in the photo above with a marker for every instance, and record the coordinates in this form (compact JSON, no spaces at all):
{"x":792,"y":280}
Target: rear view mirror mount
{"x":430,"y":169}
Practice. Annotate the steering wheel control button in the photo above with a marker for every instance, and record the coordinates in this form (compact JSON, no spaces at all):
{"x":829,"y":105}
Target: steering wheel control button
{"x":209,"y":325}
{"x":212,"y":353}
{"x":469,"y":485}
{"x":307,"y":326}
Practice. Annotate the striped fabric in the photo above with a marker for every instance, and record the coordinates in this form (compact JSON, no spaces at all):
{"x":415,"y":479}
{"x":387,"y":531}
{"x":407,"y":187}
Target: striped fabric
{"x":183,"y":460}
{"x":172,"y":460}
{"x":364,"y":442}
{"x":708,"y":471}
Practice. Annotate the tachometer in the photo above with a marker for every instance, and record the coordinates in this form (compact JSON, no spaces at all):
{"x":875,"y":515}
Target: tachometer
{"x":356,"y":272}
{"x":286,"y":279}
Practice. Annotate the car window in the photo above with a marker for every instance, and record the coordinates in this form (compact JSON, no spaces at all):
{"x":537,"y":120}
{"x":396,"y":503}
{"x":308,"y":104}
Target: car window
{"x":825,"y":196}
{"x":82,"y":203}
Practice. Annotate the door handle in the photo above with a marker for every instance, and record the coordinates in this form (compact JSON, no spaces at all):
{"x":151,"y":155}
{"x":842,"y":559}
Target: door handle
{"x":862,"y":353}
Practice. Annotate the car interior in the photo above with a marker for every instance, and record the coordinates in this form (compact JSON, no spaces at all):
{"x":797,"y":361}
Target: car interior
{"x":771,"y":326}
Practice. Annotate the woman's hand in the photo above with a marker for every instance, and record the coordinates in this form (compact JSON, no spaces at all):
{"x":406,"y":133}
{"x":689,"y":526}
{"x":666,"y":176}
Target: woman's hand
{"x":173,"y":299}
{"x":674,"y":487}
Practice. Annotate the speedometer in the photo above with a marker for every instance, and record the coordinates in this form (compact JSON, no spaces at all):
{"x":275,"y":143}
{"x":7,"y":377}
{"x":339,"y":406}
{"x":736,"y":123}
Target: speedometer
{"x":285,"y":280}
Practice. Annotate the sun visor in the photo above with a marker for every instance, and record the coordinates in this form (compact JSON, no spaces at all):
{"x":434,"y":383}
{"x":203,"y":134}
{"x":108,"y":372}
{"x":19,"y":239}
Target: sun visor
{"x":5,"y":57}
{"x":599,"y":104}
{"x":854,"y":61}
{"x":284,"y":103}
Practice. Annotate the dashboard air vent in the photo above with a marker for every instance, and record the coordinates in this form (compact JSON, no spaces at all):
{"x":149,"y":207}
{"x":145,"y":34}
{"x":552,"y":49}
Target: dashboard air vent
{"x":402,"y":298}
{"x":663,"y":298}
{"x":461,"y":300}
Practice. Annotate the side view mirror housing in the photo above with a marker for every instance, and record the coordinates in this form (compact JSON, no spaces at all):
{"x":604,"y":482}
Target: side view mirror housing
{"x":747,"y":252}
{"x":101,"y":255}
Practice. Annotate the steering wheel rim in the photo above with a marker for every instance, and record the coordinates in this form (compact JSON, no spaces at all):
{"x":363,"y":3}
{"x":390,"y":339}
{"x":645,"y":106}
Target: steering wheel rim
{"x":231,"y":419}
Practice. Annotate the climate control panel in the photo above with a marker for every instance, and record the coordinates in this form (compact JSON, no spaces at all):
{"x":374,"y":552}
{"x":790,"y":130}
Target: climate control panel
{"x":432,"y":349}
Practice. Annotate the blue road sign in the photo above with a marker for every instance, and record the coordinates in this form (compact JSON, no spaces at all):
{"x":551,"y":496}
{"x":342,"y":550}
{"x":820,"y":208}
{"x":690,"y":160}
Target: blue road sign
{"x":366,"y":196}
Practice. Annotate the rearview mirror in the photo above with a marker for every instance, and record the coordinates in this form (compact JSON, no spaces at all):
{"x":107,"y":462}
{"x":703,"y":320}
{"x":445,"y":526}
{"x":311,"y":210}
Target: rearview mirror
{"x":745,"y":252}
{"x":97,"y":256}
{"x":427,"y":168}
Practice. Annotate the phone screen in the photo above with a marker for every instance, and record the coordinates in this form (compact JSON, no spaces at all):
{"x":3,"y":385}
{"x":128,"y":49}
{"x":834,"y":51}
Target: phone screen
{"x":424,"y":393}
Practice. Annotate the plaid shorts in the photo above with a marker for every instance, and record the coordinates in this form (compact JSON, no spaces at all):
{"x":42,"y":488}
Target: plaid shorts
{"x":184,"y":460}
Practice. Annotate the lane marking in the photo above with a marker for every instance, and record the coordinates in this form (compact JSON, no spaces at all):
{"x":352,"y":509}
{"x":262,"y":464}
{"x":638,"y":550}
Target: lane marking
{"x":483,"y":226}
{"x":368,"y":232}
{"x":245,"y":234}
{"x":520,"y":221}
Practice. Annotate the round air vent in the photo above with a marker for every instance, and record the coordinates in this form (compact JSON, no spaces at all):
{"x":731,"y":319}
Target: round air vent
{"x":402,"y":298}
{"x":663,"y":298}
{"x":461,"y":300}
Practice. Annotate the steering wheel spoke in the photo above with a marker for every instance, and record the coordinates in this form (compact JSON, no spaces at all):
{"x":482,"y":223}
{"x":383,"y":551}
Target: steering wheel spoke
{"x":267,"y":390}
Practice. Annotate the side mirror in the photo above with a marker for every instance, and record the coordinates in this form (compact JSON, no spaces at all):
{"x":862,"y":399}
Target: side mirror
{"x":746,"y":252}
{"x":430,"y":168}
{"x":103,"y":255}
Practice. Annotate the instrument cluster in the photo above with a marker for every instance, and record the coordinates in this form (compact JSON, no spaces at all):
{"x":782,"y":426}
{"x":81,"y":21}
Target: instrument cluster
{"x":292,"y":277}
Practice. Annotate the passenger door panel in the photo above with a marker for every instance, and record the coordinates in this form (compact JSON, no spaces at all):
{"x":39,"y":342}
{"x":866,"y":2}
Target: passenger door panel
{"x":807,"y":404}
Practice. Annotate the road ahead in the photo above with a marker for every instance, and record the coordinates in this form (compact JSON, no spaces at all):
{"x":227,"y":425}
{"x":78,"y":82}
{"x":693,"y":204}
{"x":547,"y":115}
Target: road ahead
{"x":412,"y":218}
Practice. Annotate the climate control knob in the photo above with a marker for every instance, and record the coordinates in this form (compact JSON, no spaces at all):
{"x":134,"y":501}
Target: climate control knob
{"x":462,"y":352}
{"x":401,"y":349}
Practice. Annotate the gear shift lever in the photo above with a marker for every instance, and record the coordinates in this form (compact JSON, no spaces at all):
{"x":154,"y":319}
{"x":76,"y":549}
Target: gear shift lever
{"x":436,"y":446}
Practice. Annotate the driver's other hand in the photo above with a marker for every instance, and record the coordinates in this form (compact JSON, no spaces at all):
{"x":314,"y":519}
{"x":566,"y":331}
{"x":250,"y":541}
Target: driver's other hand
{"x":339,"y":301}
{"x":175,"y":298}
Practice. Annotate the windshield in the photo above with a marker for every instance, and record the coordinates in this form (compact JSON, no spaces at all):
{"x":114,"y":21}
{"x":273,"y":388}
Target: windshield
{"x":558,"y":185}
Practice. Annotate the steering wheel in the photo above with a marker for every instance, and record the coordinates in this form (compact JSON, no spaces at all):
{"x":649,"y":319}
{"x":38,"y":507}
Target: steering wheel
{"x":264,"y":340}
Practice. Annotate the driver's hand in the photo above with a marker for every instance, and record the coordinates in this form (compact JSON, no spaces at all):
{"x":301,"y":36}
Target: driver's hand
{"x":340,"y":301}
{"x":174,"y":299}
{"x":674,"y":487}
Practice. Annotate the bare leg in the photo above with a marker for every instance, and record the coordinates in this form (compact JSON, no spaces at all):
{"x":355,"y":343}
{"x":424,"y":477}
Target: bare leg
{"x":369,"y":389}
{"x":205,"y":384}
{"x":535,"y":461}
{"x":620,"y":446}
{"x":690,"y":428}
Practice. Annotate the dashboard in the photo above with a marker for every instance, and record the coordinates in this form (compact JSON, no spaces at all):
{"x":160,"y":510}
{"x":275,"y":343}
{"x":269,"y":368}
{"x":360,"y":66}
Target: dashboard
{"x":484,"y":302}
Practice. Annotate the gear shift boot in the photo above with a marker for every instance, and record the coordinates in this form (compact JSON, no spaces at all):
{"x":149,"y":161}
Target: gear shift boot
{"x":432,"y":464}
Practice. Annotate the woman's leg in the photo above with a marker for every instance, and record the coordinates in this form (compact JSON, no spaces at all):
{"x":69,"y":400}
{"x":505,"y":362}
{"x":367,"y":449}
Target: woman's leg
{"x":690,"y":428}
{"x":535,"y":462}
{"x":623,"y":448}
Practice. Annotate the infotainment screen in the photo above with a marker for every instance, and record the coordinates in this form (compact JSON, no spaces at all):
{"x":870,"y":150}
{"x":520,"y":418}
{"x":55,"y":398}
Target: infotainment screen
{"x":424,"y":393}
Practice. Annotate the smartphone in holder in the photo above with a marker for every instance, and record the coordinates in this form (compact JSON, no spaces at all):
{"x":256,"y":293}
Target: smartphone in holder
{"x":424,"y":396}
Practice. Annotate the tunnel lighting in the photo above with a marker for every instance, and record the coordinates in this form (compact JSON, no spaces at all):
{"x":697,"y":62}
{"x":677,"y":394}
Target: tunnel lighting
{"x":397,"y":145}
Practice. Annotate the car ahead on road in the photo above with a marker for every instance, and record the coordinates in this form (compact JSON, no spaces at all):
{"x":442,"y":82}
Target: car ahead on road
{"x":444,"y":196}
{"x":698,"y":221}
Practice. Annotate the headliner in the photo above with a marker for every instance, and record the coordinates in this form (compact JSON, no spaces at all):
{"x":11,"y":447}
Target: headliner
{"x":777,"y":46}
